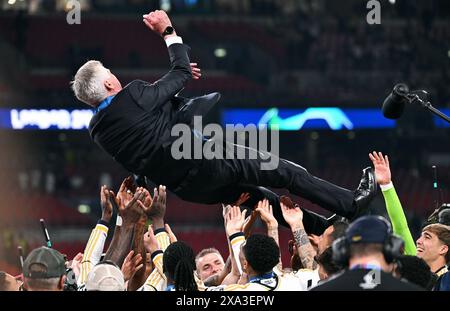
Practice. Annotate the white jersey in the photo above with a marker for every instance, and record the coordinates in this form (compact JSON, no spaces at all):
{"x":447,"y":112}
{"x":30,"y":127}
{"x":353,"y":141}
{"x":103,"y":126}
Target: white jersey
{"x":301,"y":280}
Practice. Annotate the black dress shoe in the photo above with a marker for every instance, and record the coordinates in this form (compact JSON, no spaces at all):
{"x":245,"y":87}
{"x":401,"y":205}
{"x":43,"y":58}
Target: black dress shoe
{"x":365,"y":192}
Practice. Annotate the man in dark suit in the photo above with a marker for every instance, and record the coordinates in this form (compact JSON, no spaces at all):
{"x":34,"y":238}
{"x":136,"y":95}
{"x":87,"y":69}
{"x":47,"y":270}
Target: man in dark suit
{"x":368,"y":251}
{"x":133,"y":124}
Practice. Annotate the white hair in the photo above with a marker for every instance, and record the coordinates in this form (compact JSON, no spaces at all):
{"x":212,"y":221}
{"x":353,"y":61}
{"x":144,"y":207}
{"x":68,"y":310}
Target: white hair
{"x":88,"y":84}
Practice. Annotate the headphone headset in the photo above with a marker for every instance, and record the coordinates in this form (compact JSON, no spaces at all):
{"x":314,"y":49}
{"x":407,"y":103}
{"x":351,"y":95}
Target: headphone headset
{"x":393,"y":246}
{"x":440,"y":216}
{"x":444,"y":215}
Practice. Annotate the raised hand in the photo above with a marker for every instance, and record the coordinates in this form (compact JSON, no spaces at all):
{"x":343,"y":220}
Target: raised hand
{"x":196,"y":72}
{"x":157,"y":210}
{"x":148,"y":200}
{"x":125,"y":193}
{"x":235,"y":220}
{"x":292,"y":214}
{"x":225,"y":210}
{"x":172,"y":237}
{"x":76,"y":264}
{"x":131,"y":265}
{"x":249,"y":222}
{"x":150,"y":242}
{"x":265,"y":211}
{"x":134,"y":210}
{"x":157,"y":21}
{"x":381,"y":165}
{"x":242,"y":199}
{"x":106,"y":197}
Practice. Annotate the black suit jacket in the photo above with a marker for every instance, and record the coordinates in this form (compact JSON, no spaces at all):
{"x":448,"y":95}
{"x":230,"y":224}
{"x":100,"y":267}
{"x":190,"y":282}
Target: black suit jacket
{"x":360,"y":280}
{"x":135,"y":129}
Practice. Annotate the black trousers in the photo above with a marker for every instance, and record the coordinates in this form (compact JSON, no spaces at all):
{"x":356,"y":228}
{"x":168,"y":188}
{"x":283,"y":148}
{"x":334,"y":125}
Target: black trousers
{"x":223,"y":180}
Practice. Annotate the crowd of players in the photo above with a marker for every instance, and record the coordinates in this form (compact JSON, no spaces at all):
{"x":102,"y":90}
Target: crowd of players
{"x":370,"y":253}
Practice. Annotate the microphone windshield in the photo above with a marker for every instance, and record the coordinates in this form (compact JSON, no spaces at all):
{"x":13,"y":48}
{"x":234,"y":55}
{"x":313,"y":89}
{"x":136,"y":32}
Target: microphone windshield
{"x":394,"y":104}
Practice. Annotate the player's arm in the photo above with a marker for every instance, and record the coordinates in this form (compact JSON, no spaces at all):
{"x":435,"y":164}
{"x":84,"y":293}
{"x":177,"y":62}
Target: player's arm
{"x":96,"y":242}
{"x":293,"y":215}
{"x":265,"y":211}
{"x":131,"y":210}
{"x":393,"y":204}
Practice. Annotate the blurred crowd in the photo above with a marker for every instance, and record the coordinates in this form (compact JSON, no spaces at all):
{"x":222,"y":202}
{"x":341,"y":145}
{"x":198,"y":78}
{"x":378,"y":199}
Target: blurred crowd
{"x":314,"y":54}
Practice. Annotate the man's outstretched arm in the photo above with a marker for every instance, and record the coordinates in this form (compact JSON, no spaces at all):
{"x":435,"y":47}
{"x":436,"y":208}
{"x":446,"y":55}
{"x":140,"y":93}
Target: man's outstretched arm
{"x":393,"y":204}
{"x":151,"y":95}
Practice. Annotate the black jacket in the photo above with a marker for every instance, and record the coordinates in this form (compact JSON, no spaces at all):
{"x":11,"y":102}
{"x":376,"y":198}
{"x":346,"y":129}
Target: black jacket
{"x":135,"y":129}
{"x":361,"y":280}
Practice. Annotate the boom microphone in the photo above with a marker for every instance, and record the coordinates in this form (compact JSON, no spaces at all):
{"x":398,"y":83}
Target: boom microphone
{"x":45,"y":231}
{"x":394,"y":104}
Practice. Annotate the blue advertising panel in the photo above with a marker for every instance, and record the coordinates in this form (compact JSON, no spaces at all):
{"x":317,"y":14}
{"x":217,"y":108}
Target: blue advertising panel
{"x":323,"y":118}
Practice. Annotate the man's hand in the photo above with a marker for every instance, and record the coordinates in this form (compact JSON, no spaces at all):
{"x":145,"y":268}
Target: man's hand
{"x":76,"y":264}
{"x":157,"y":21}
{"x":133,"y":211}
{"x":157,"y":210}
{"x":235,"y":220}
{"x":146,"y":204}
{"x":249,"y":222}
{"x":131,"y":265}
{"x":172,"y":237}
{"x":381,"y":165}
{"x":125,"y":193}
{"x":266,"y":213}
{"x":150,"y":242}
{"x":196,"y":72}
{"x":291,"y":213}
{"x":148,"y":200}
{"x":242,"y":199}
{"x":106,"y":197}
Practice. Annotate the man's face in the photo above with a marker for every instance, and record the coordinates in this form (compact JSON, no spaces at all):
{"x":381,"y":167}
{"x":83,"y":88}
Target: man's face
{"x":429,"y":247}
{"x":12,"y":284}
{"x":209,"y":265}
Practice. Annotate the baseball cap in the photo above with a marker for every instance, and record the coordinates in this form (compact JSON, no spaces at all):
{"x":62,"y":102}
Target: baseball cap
{"x":105,"y":277}
{"x":44,"y":263}
{"x":368,"y":229}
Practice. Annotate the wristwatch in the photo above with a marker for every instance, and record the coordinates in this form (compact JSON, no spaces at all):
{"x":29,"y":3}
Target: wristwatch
{"x":168,"y":31}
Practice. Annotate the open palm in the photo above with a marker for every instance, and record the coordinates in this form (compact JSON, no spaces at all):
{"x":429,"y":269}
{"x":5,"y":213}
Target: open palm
{"x":381,"y":165}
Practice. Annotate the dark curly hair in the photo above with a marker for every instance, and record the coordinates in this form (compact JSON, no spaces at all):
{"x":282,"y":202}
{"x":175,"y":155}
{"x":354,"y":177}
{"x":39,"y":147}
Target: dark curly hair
{"x":261,"y":252}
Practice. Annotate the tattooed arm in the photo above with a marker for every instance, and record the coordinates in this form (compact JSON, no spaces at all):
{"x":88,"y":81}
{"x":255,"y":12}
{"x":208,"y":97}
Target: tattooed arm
{"x":305,"y":250}
{"x":266,"y":213}
{"x":294,"y":217}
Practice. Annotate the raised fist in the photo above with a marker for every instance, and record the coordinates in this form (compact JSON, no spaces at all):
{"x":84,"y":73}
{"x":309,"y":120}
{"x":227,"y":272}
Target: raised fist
{"x":157,"y":21}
